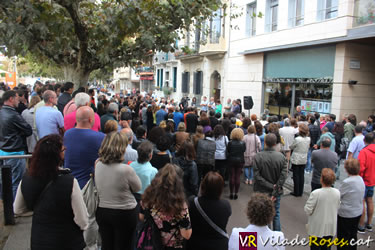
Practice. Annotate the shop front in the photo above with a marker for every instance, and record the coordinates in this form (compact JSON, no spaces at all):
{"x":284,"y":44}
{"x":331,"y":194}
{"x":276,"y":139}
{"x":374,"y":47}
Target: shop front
{"x":299,"y":77}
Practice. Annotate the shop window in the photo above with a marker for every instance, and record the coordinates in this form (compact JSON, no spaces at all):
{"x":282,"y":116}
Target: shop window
{"x":311,"y":97}
{"x":185,"y":82}
{"x":327,"y":9}
{"x":197,"y":83}
{"x":296,"y":13}
{"x":272,"y":7}
{"x":251,"y":10}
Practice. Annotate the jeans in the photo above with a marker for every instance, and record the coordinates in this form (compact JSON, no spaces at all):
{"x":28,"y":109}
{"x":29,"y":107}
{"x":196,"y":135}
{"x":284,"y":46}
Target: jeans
{"x":309,"y":164}
{"x":18,"y":167}
{"x":249,"y":173}
{"x":276,"y":220}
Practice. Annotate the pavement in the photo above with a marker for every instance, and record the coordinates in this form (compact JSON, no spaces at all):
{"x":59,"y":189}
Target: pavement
{"x":293,"y":217}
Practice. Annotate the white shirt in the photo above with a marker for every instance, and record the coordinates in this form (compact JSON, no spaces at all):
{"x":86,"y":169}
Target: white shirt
{"x":263,"y":234}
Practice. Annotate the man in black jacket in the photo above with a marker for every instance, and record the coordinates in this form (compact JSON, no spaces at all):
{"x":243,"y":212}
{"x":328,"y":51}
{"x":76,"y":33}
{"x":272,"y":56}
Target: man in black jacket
{"x":13,"y":132}
{"x":270,"y":172}
{"x":65,"y":97}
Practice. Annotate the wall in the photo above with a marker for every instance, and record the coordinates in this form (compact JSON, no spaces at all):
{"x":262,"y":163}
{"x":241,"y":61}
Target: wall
{"x":311,"y":30}
{"x":244,"y":78}
{"x":357,"y":99}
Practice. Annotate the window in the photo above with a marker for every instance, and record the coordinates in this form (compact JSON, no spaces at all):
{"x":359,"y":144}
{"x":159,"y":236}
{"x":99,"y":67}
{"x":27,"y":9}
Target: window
{"x":296,"y":12}
{"x":161,"y":78}
{"x":174,"y":79}
{"x":327,"y":9}
{"x":271,"y":15}
{"x":197,"y":83}
{"x":185,"y":82}
{"x":158,"y":78}
{"x":212,"y":28}
{"x":251,"y":10}
{"x":215,"y":27}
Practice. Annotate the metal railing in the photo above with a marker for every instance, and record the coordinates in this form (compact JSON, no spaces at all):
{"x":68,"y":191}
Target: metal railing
{"x":7,"y":190}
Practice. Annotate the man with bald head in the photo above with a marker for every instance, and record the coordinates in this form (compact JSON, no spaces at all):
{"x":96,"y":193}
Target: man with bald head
{"x":82,"y":146}
{"x":47,"y":119}
{"x":130,"y":153}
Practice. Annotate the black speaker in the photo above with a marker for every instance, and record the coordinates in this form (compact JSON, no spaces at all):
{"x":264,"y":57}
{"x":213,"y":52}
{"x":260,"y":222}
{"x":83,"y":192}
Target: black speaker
{"x":248,"y":102}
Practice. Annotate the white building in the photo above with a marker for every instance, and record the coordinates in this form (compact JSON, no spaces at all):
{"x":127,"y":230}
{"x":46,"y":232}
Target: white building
{"x":283,"y":53}
{"x":313,"y":53}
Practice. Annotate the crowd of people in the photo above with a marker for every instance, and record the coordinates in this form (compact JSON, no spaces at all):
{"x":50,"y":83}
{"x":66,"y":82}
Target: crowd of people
{"x":170,"y":161}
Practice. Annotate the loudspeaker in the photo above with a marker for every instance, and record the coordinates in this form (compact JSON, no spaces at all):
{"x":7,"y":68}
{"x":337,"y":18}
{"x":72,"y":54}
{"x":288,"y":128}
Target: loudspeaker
{"x":248,"y":102}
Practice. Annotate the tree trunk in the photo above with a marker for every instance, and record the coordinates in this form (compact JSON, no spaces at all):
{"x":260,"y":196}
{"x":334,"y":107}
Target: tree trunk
{"x":78,"y":76}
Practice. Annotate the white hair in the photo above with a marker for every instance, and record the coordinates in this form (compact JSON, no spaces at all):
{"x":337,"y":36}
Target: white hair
{"x":81,"y":99}
{"x":112,"y":107}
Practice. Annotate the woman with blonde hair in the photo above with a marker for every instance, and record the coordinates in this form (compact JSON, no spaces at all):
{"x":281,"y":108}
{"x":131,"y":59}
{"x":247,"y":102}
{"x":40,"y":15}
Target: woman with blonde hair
{"x":253,"y":146}
{"x":180,"y":136}
{"x":300,"y":147}
{"x":164,"y":201}
{"x":236,"y":149}
{"x":29,"y":116}
{"x":110,"y":126}
{"x":115,"y":181}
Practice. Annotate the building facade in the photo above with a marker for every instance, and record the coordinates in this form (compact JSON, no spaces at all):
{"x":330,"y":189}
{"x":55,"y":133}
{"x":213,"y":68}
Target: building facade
{"x":316,"y":54}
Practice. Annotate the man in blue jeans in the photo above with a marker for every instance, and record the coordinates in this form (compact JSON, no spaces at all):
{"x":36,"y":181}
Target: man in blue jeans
{"x":13,"y":132}
{"x":270,"y":171}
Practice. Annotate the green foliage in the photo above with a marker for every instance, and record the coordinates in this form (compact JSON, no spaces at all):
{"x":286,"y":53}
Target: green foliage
{"x":84,"y":35}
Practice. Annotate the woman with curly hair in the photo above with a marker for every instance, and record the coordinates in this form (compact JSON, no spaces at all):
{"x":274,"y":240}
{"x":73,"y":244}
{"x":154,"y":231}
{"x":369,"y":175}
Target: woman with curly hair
{"x":53,"y":194}
{"x":115,"y":181}
{"x":164,"y":200}
{"x":260,"y":212}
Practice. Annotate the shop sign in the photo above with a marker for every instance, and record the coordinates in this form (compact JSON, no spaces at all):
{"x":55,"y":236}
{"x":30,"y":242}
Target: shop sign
{"x":324,"y":80}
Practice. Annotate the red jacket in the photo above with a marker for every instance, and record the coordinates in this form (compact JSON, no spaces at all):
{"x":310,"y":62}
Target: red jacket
{"x":367,"y":161}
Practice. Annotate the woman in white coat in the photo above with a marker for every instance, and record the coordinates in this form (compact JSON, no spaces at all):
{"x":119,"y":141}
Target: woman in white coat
{"x":321,"y":208}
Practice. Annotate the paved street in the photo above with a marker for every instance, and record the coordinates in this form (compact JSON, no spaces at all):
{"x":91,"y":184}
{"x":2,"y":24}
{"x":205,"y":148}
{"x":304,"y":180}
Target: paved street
{"x":293,"y":218}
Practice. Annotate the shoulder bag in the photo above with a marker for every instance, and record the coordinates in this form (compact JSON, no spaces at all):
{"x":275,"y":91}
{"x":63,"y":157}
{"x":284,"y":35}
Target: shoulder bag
{"x":209,"y":221}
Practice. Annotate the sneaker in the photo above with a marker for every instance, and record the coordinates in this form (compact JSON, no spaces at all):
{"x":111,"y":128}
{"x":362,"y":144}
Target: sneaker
{"x":361,"y":230}
{"x":368,"y":227}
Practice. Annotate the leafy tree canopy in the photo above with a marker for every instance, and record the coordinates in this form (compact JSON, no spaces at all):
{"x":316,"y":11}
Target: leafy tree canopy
{"x":84,"y":35}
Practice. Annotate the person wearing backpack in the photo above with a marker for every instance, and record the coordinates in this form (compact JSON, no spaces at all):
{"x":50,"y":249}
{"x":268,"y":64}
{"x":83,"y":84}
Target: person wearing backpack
{"x":163,"y":203}
{"x":205,"y":158}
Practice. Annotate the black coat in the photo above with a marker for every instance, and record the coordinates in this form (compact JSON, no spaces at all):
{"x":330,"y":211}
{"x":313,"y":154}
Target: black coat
{"x":190,"y":175}
{"x":236,"y":150}
{"x":13,"y":130}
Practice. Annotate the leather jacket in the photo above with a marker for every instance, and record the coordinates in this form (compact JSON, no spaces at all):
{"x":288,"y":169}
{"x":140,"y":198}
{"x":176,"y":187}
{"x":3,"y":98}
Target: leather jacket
{"x":13,"y":130}
{"x":236,"y":150}
{"x":206,"y":152}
